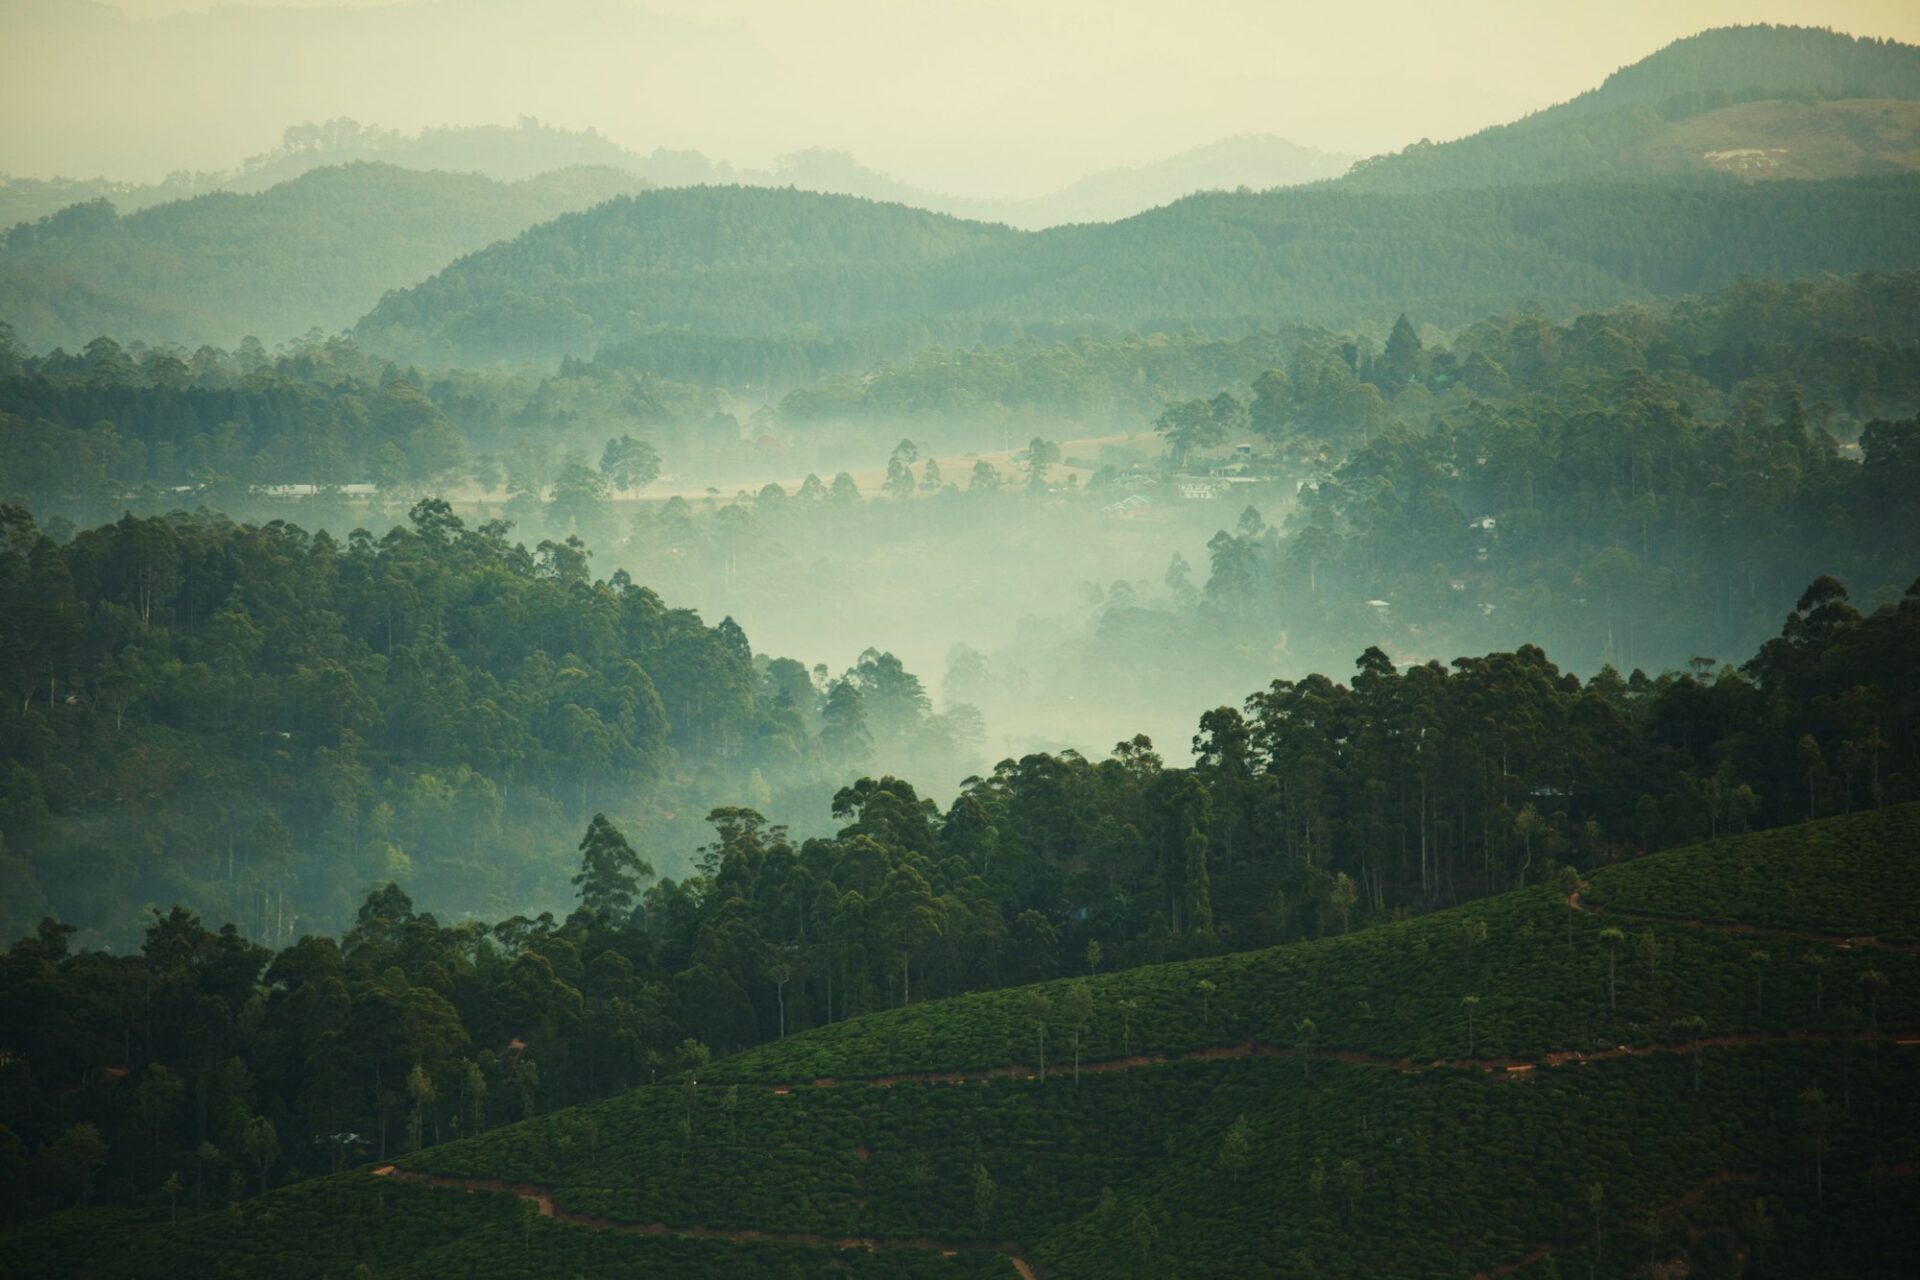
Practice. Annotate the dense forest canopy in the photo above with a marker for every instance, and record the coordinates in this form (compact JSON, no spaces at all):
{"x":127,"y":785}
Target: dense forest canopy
{"x":1325,"y":806}
{"x":1224,"y":262}
{"x":258,"y":722}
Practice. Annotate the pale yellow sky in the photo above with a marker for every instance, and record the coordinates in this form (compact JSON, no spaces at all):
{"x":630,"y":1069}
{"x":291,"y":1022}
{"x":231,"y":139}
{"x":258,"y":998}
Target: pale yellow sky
{"x":990,"y":97}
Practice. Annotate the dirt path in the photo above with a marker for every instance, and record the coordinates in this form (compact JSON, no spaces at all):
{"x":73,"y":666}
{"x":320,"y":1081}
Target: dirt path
{"x":543,"y":1198}
{"x":1352,"y":1057}
{"x":1842,"y":940}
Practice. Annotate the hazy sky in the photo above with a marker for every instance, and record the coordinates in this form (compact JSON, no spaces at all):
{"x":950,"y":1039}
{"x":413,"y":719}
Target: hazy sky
{"x":988,"y":97}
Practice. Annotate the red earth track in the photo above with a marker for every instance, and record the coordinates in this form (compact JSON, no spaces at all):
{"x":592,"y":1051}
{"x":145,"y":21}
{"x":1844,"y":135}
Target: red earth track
{"x":1013,"y":1251}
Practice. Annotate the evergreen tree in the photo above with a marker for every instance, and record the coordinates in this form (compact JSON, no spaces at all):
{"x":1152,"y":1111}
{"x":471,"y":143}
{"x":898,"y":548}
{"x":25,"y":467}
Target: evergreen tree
{"x":610,"y":870}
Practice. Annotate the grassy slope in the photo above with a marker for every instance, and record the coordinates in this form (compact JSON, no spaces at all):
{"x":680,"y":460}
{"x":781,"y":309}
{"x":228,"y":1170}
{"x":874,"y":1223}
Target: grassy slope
{"x":1845,"y":876}
{"x":1396,"y":989}
{"x":1780,"y":139}
{"x":1351,"y":1168}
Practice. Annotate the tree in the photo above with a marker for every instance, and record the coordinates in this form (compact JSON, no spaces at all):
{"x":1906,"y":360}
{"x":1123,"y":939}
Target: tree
{"x":1342,"y":897}
{"x":74,"y":1155}
{"x":1198,"y":894}
{"x":1144,"y":1235}
{"x":1352,"y":1181}
{"x":780,"y":969}
{"x":1093,"y":955}
{"x":1568,"y":885}
{"x":1759,"y":960}
{"x":1306,"y":1031}
{"x":420,"y":1089}
{"x":1612,"y":940}
{"x":1077,"y":1008}
{"x":1815,"y":1121}
{"x":262,"y":1146}
{"x":1470,"y":1003}
{"x":171,"y":1188}
{"x":1398,"y":362}
{"x":1873,"y":985}
{"x":984,"y":1193}
{"x":1818,"y":962}
{"x":579,"y":494}
{"x":1205,"y":989}
{"x":1236,"y":1149}
{"x":985,"y":479}
{"x":1041,"y":454}
{"x":844,"y":735}
{"x":629,"y":464}
{"x":1189,"y":425}
{"x":1596,"y":1201}
{"x":1527,"y":824}
{"x":610,"y":870}
{"x":1128,"y":1008}
{"x":899,"y":482}
{"x":1039,"y":1010}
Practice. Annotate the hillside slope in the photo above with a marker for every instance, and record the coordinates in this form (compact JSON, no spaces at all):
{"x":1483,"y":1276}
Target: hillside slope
{"x":722,"y":279}
{"x":1739,"y":89}
{"x":1522,"y":1086}
{"x":314,"y":252}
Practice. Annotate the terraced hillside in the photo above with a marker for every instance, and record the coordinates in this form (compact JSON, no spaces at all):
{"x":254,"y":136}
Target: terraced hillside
{"x":1700,"y":1063}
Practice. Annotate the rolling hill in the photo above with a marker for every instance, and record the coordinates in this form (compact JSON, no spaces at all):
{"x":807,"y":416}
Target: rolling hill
{"x":717,"y":284}
{"x":313,"y":252}
{"x":1818,"y":103}
{"x":1664,"y":1071}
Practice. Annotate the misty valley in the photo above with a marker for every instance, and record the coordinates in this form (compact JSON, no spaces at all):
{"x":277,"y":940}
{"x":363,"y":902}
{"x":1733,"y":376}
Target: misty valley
{"x":575,"y":709}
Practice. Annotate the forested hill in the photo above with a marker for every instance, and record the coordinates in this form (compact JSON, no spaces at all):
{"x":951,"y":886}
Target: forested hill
{"x":1839,"y":99}
{"x":713,"y":284}
{"x":314,"y":252}
{"x":1781,"y":59}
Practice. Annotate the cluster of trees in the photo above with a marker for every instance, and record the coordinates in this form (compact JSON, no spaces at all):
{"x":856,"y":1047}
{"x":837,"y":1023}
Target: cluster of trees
{"x":1323,"y":807}
{"x":1101,"y":384}
{"x":259,"y":722}
{"x":1633,"y":487}
{"x":88,"y":434}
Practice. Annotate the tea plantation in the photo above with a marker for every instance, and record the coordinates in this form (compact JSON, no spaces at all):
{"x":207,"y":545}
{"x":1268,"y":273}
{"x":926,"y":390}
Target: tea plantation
{"x":1678,"y":1073}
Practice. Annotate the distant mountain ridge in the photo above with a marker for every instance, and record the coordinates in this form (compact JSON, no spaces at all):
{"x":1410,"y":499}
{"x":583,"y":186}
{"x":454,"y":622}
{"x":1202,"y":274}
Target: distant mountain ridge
{"x":530,"y":148}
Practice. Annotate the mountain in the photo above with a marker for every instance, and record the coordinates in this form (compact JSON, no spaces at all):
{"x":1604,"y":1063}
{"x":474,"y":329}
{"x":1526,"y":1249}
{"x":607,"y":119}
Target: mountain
{"x":531,"y":148}
{"x":1759,"y":101}
{"x":726,"y":285}
{"x":1256,"y":161}
{"x":313,"y":252}
{"x":1696,"y":1063}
